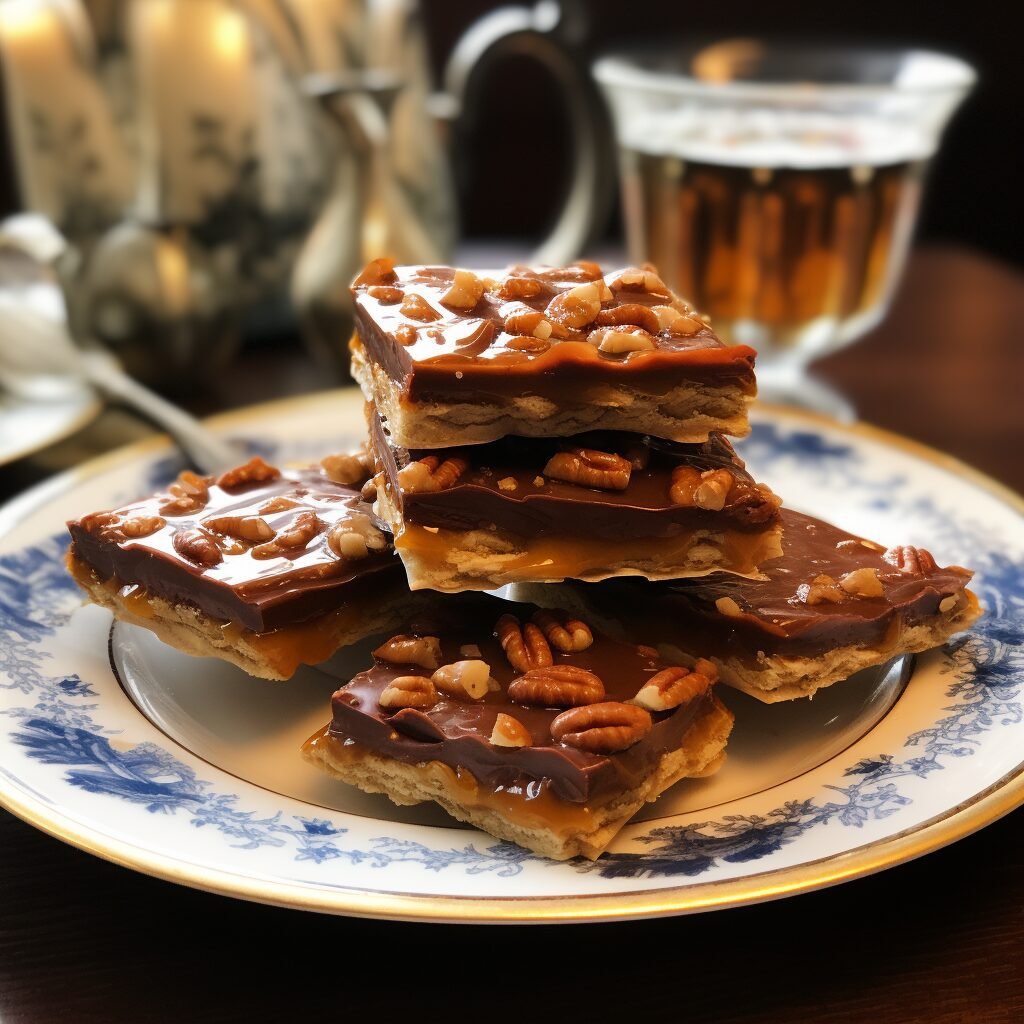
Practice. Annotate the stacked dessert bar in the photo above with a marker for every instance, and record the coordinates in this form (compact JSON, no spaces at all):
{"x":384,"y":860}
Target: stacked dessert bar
{"x":563,"y":430}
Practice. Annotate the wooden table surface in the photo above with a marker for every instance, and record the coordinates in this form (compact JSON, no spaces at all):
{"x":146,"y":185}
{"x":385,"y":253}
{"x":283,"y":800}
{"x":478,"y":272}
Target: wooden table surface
{"x":938,"y":940}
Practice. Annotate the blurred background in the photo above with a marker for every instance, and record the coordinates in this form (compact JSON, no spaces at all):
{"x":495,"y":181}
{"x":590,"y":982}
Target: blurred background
{"x":188,"y":187}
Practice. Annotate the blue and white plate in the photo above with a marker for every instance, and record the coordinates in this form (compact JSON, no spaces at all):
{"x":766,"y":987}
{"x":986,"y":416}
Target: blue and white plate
{"x":189,"y":770}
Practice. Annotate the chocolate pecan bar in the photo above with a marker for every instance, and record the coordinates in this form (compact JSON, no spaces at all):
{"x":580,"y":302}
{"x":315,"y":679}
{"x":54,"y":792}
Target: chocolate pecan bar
{"x":597,"y":505}
{"x":451,"y":358}
{"x":833,"y":604}
{"x":526,"y":724}
{"x":265,"y":568}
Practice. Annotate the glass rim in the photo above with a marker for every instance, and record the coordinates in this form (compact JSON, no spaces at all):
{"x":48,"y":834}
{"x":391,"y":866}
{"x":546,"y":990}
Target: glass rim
{"x":622,"y":69}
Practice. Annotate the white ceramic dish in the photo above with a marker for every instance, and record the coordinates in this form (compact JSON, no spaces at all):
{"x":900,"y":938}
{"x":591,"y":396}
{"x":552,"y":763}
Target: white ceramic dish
{"x":188,"y":770}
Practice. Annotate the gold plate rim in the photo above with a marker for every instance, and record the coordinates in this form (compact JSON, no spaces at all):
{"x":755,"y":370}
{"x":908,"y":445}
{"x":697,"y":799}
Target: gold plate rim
{"x":986,"y":807}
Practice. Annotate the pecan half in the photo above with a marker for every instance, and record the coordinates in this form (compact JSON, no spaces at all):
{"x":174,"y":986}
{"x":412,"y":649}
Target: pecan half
{"x":408,"y":692}
{"x":424,"y":651}
{"x":619,"y":340}
{"x":674,"y":686}
{"x":576,"y":307}
{"x":197,"y":546}
{"x":415,"y":307}
{"x":351,"y":469}
{"x":464,"y":292}
{"x":431,"y":474}
{"x":862,"y":583}
{"x":567,"y":637}
{"x":525,"y":646}
{"x":522,"y":288}
{"x":251,"y":528}
{"x":297,"y":534}
{"x":469,"y":680}
{"x":142,"y":526}
{"x":589,"y":468}
{"x":602,"y":728}
{"x":385,"y":294}
{"x":634,"y":314}
{"x":379,"y":271}
{"x":510,"y":732}
{"x":912,"y":560}
{"x":557,"y":686}
{"x":255,"y":471}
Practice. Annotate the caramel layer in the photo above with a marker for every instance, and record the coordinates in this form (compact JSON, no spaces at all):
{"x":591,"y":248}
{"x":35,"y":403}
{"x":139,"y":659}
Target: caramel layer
{"x":559,"y":557}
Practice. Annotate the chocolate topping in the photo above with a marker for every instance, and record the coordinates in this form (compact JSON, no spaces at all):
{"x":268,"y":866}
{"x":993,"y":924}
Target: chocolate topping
{"x":456,"y":732}
{"x":470,"y":355}
{"x":504,"y":485}
{"x":257,"y":589}
{"x":774,"y":619}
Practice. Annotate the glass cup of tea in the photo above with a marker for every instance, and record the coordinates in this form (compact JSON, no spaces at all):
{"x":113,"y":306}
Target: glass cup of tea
{"x":776,"y":185}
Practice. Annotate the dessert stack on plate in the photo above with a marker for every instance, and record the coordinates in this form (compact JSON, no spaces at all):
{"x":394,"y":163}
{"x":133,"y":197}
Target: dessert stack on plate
{"x":531,"y":427}
{"x":561,"y":430}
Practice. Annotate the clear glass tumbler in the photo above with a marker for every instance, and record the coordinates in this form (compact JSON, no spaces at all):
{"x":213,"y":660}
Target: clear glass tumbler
{"x":776,"y":185}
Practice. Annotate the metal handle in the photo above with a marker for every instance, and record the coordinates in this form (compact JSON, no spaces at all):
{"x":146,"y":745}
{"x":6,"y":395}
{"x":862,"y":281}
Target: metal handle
{"x":549,"y":33}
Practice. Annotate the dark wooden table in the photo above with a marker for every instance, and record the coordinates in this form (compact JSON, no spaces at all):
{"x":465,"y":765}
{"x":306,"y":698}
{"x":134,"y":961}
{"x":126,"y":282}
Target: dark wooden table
{"x":938,"y":940}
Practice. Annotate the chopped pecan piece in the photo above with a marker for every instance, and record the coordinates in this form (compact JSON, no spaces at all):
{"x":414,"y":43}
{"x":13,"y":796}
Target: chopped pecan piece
{"x":820,"y":590}
{"x":525,"y":646}
{"x":912,"y":560}
{"x":947,"y":604}
{"x":379,"y":271}
{"x":862,"y":583}
{"x":469,"y":680}
{"x":589,"y":468}
{"x":386,"y":295}
{"x":728,"y":606}
{"x":567,"y":637}
{"x":142,"y":526}
{"x":350,"y":469}
{"x":527,"y":344}
{"x":576,"y":307}
{"x":353,"y":539}
{"x":406,"y":335}
{"x":672,"y":687}
{"x":620,"y":340}
{"x":680,"y":324}
{"x":255,"y":471}
{"x":251,"y":528}
{"x":431,"y":474}
{"x":189,"y":493}
{"x":635,"y":279}
{"x":465,"y":291}
{"x":424,"y":651}
{"x":520,"y":319}
{"x":602,"y":728}
{"x":415,"y":307}
{"x":713,"y":490}
{"x":557,"y":686}
{"x":510,"y":732}
{"x":408,"y":692}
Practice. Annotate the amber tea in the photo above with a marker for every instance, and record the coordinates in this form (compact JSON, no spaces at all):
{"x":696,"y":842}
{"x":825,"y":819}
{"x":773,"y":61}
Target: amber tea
{"x":778,"y":256}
